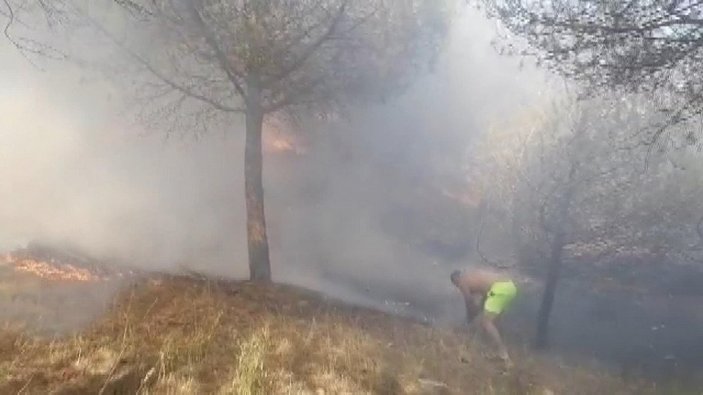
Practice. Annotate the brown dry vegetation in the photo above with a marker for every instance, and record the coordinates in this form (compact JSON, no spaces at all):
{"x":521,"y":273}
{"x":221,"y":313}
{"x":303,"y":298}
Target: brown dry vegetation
{"x":178,"y":335}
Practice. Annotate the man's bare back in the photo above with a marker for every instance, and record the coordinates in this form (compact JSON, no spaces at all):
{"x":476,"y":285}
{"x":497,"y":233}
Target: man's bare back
{"x":479,"y":281}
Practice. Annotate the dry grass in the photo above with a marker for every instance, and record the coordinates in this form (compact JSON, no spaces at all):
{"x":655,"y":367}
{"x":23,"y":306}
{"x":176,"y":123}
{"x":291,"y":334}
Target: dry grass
{"x":250,"y":375}
{"x":186,"y":336}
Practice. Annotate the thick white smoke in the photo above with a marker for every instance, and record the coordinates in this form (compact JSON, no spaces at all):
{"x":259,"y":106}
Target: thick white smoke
{"x":75,"y":170}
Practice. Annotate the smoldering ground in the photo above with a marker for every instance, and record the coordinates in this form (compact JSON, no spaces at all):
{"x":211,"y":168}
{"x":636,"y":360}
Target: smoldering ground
{"x":361,"y":215}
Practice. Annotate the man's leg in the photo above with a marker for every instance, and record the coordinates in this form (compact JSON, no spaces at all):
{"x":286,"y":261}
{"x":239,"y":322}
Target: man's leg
{"x":487,"y":321}
{"x":498,"y":298}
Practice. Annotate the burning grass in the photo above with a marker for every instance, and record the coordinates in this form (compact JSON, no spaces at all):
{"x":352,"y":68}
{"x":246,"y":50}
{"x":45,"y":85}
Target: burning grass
{"x":61,"y":265}
{"x":176,"y":335}
{"x":49,"y":271}
{"x":50,"y":294}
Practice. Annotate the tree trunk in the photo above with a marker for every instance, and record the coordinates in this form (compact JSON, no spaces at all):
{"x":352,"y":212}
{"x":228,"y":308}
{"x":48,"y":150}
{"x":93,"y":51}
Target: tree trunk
{"x":550,"y":286}
{"x":257,"y":240}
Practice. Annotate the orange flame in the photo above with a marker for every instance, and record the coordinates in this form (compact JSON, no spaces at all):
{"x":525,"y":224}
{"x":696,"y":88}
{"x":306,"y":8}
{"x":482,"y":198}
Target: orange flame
{"x":280,"y":145}
{"x":49,"y":271}
{"x":278,"y":138}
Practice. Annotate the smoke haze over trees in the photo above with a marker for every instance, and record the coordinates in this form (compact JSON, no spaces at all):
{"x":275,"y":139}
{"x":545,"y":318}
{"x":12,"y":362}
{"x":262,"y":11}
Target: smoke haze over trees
{"x":466,"y":158}
{"x":209,"y":61}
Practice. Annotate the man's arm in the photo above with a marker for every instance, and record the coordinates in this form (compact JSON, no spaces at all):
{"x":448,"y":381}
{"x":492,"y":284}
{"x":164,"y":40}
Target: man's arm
{"x":472,"y":308}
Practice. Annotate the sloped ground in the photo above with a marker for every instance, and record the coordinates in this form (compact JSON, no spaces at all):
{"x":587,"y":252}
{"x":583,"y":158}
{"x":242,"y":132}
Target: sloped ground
{"x":184,"y":335}
{"x":51,"y":307}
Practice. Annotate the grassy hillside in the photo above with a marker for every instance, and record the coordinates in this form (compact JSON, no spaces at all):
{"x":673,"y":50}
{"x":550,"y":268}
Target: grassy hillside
{"x":178,"y":335}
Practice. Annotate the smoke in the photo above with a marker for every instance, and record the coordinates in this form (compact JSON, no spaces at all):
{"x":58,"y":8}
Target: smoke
{"x":77,"y":171}
{"x":362,"y":215}
{"x":371,"y":222}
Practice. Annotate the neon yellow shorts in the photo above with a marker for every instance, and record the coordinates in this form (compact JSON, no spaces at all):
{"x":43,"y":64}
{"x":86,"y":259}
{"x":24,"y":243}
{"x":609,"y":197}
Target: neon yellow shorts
{"x":499,"y":296}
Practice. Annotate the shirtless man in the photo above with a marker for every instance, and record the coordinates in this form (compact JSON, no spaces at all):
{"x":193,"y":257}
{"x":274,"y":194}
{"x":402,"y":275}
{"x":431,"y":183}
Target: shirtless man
{"x":487,"y":293}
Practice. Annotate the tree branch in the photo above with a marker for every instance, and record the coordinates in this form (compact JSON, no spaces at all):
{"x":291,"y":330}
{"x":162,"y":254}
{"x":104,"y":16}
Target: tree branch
{"x":221,"y":57}
{"x":10,"y":20}
{"x":24,"y":45}
{"x":294,"y":96}
{"x":479,"y":232}
{"x":310,"y":50}
{"x":188,"y":91}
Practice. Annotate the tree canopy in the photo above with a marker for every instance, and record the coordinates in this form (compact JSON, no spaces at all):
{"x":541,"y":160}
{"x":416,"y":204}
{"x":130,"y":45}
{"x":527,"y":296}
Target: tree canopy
{"x":653,"y":47}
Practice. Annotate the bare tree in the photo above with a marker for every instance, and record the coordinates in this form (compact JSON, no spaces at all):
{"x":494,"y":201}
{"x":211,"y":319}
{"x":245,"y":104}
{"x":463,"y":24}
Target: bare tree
{"x":260,"y":57}
{"x":555,"y":177}
{"x":575,"y":190}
